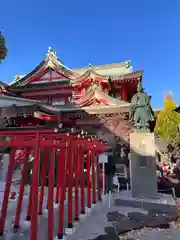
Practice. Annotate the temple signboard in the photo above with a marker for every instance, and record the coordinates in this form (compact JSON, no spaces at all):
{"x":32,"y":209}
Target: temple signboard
{"x":103,"y":158}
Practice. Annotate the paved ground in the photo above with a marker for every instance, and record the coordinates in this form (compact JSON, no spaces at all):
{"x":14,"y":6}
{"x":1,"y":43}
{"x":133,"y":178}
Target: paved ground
{"x":24,"y":232}
{"x":96,"y":221}
{"x":88,"y":229}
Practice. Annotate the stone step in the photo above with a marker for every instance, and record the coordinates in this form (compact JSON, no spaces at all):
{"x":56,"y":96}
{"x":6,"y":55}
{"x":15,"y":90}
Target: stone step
{"x":164,"y":202}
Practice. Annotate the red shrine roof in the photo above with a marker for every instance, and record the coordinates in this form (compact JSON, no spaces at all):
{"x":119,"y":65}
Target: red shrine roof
{"x":51,"y":62}
{"x":91,"y":99}
{"x":51,"y":69}
{"x":95,"y":98}
{"x":115,"y":69}
{"x":12,"y":106}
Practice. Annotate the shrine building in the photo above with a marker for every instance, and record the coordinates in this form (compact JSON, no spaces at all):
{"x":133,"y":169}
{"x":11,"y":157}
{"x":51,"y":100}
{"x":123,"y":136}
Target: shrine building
{"x":96,"y":98}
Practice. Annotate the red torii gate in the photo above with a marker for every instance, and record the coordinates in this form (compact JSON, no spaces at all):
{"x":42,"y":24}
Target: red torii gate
{"x":71,"y":146}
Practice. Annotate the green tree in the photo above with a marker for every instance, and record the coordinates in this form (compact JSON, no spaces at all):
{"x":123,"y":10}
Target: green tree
{"x":167,"y":122}
{"x":3,"y":49}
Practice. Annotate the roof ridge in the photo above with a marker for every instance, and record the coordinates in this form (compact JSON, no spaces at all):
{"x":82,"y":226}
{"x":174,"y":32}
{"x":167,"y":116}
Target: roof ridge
{"x":106,"y":65}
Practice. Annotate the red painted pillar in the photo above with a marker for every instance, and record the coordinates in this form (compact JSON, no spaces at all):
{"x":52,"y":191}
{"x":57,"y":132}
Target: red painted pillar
{"x":43,"y":181}
{"x":98,"y":178}
{"x":70,"y":184}
{"x":88,"y":164}
{"x":21,"y":192}
{"x":76,"y":164}
{"x":81,"y":157}
{"x":7,"y":191}
{"x":93,"y":177}
{"x":58,"y":176}
{"x":28,"y":217}
{"x":66,"y":167}
{"x":51,"y":195}
{"x":62,"y":192}
{"x":105,"y":182}
{"x":34,"y":197}
{"x":123,"y":92}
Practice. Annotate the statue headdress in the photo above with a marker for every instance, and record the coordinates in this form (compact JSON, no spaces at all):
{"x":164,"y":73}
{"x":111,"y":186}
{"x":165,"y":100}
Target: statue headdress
{"x":139,"y":87}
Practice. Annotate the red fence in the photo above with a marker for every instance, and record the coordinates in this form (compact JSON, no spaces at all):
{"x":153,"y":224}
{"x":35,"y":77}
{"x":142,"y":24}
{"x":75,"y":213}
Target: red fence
{"x":70,"y":149}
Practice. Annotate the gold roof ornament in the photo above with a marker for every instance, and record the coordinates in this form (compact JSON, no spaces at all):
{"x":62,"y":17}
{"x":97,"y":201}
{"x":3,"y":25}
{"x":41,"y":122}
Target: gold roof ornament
{"x":89,"y":65}
{"x":51,"y":53}
{"x":49,"y":49}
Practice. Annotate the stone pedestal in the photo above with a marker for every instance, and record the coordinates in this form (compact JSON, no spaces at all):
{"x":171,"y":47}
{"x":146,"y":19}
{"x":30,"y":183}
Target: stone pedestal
{"x":143,"y":165}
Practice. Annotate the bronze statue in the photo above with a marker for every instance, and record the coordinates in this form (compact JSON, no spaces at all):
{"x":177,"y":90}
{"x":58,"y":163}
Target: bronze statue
{"x":142,"y":113}
{"x":3,"y":49}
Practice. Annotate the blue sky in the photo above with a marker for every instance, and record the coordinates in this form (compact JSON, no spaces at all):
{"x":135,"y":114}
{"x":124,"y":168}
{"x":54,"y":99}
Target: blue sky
{"x":96,"y":32}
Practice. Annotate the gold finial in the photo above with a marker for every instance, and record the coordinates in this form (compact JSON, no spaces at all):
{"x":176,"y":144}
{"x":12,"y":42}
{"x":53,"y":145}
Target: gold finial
{"x":49,"y":49}
{"x":89,"y":65}
{"x":51,"y":52}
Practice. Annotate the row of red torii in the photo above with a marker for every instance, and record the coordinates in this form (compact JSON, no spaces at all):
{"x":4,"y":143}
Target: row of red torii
{"x":70,"y":148}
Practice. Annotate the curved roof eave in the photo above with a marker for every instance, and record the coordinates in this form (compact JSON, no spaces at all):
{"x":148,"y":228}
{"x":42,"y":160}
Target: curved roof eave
{"x":49,"y":61}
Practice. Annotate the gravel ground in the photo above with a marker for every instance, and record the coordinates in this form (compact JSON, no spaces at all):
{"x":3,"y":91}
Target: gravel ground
{"x":95,"y":223}
{"x":153,"y":234}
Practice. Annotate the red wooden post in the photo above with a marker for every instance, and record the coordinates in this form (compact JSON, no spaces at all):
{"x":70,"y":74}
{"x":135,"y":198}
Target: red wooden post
{"x":70,"y":185}
{"x":58,"y":176}
{"x":81,"y":155}
{"x":66,"y":167}
{"x":51,"y":195}
{"x":88,"y":167}
{"x":123,"y":92}
{"x":7,"y":191}
{"x":105,"y":182}
{"x":21,"y":192}
{"x":43,"y":181}
{"x":62,"y":192}
{"x":34,"y":196}
{"x":93,"y":177}
{"x":98,"y":178}
{"x":76,"y":164}
{"x":28,"y":217}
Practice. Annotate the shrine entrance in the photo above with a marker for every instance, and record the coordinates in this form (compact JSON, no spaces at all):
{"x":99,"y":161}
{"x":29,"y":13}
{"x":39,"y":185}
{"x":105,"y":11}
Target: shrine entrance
{"x":69,"y":148}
